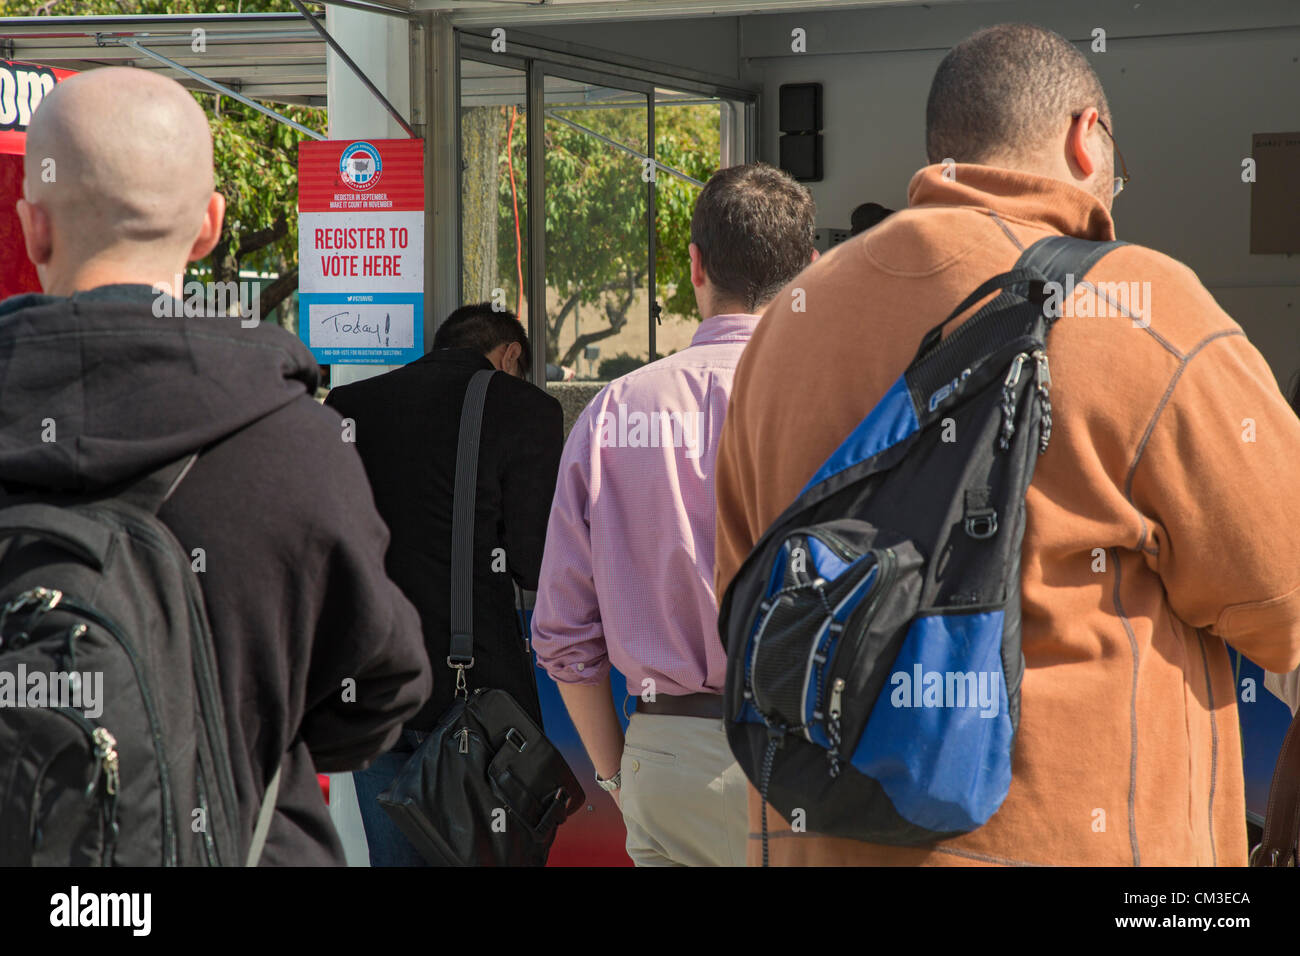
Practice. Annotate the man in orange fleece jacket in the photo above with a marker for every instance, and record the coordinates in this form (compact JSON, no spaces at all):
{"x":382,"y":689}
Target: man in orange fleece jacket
{"x":1160,"y":522}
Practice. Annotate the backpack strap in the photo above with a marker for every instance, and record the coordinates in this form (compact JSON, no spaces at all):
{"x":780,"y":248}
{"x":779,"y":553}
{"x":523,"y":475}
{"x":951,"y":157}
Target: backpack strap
{"x":87,"y":539}
{"x":1059,"y":256}
{"x":263,"y":825}
{"x":461,"y":656}
{"x":1047,"y":260}
{"x":151,"y":492}
{"x":1278,"y":846}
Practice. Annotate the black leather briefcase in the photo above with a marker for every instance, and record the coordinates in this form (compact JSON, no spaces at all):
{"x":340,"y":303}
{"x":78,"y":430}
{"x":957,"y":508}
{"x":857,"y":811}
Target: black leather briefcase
{"x":486,"y":788}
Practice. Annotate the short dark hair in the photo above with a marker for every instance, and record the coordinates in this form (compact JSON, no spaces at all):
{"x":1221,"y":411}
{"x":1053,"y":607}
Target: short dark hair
{"x":867,"y":215}
{"x":754,"y":227}
{"x":482,"y":328}
{"x":998,"y":92}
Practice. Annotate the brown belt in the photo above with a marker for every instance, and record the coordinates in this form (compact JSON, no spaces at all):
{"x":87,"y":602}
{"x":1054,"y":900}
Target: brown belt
{"x":685,"y":705}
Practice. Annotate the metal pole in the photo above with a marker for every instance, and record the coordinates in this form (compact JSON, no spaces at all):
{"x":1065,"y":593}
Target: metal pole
{"x":224,"y":90}
{"x":370,"y":8}
{"x":442,"y":167}
{"x":652,"y":307}
{"x":365,"y":80}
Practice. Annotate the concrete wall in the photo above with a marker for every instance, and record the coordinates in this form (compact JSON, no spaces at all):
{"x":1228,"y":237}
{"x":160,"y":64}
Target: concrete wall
{"x":1188,"y":84}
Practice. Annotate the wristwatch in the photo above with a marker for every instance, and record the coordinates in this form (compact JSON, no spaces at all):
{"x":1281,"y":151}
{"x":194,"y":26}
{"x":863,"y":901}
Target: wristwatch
{"x":612,"y":784}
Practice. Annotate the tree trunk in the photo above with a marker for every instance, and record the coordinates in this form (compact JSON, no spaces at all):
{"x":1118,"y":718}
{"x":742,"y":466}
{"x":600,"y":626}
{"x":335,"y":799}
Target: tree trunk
{"x":225,"y":262}
{"x":278,"y":292}
{"x":616,"y":314}
{"x":481,"y":132}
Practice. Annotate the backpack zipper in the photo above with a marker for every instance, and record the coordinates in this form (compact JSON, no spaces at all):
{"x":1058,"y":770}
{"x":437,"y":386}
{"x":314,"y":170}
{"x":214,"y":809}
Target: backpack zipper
{"x":821,"y":652}
{"x":210,"y":709}
{"x":169,"y":824}
{"x":1043,"y":385}
{"x":859,"y":621}
{"x":1009,"y":400}
{"x":209,"y":845}
{"x":103,"y":747}
{"x":841,"y":548}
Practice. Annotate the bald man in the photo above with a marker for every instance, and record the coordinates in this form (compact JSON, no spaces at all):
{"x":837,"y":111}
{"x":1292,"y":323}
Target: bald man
{"x":119,"y":183}
{"x":320,"y":658}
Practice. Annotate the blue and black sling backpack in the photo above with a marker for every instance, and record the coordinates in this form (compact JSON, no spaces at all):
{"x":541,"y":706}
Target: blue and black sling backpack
{"x":873,"y":633}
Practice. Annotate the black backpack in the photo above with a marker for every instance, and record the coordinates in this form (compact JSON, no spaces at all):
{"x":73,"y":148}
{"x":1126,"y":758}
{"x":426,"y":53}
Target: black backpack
{"x":873,"y":633}
{"x":113,"y":748}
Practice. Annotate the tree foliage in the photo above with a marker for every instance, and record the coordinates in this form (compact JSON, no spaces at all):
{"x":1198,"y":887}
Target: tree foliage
{"x":595,"y":202}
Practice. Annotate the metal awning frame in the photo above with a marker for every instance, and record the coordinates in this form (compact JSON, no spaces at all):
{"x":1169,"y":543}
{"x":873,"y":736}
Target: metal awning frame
{"x":206,"y":81}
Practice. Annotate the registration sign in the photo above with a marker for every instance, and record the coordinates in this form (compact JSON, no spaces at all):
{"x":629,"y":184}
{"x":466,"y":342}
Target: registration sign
{"x":361,"y":250}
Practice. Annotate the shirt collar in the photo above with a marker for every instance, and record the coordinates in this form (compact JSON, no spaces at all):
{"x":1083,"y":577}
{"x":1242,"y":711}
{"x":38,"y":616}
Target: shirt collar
{"x":733,"y":327}
{"x":1057,"y":205}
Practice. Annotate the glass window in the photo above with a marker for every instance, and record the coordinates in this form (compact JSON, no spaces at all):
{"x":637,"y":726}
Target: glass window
{"x":690,"y":133}
{"x":598,"y":300}
{"x":494,"y":169}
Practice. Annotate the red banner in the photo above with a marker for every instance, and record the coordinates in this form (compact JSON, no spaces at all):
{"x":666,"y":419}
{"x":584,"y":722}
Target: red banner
{"x":22,"y":87}
{"x":342,"y":175}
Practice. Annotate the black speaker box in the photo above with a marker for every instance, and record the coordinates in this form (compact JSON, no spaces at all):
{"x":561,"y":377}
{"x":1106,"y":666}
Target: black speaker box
{"x":801,"y":156}
{"x":801,"y":107}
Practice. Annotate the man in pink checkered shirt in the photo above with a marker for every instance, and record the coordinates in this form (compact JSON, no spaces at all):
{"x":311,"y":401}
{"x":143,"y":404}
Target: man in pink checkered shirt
{"x":627,"y":574}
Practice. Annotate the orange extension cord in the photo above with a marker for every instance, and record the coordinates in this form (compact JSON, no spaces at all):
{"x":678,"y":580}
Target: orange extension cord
{"x":514,"y":196}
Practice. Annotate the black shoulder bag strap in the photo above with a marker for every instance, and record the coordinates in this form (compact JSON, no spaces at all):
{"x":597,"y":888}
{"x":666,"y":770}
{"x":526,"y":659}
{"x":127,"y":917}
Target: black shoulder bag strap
{"x":1047,"y":260}
{"x":461,"y":657}
{"x":153,"y":490}
{"x":1058,"y":256}
{"x":1281,"y":841}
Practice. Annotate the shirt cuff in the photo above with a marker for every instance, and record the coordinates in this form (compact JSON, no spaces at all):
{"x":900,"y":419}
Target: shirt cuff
{"x":579,"y":664}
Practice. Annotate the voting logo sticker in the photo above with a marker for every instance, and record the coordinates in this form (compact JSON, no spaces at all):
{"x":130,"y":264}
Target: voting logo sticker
{"x":360,"y":166}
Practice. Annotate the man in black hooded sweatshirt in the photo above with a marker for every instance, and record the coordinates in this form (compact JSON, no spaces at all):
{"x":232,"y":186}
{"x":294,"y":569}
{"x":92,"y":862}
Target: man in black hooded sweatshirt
{"x":320,"y":657}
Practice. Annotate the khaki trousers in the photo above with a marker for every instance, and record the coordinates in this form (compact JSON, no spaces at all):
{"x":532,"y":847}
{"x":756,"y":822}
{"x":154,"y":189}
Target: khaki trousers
{"x":684,"y":796}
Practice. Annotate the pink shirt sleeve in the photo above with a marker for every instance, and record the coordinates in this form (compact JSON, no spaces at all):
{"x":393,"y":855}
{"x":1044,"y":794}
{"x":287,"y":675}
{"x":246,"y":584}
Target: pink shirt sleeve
{"x":568,"y":635}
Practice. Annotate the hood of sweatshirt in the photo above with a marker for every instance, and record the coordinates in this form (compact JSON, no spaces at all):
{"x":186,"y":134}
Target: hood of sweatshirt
{"x":96,"y":389}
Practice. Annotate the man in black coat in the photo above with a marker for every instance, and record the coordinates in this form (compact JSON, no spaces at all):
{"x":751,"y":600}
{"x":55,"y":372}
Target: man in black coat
{"x":407,"y":427}
{"x":318,"y":654}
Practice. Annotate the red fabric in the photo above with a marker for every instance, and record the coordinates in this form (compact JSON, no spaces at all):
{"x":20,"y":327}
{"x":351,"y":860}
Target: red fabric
{"x":17,"y":274}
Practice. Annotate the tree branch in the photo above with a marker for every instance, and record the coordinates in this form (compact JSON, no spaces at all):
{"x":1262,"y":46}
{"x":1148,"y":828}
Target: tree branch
{"x":617,"y":319}
{"x":278,"y":291}
{"x":264,"y":237}
{"x":225,"y":266}
{"x":582,"y":341}
{"x":553,"y":328}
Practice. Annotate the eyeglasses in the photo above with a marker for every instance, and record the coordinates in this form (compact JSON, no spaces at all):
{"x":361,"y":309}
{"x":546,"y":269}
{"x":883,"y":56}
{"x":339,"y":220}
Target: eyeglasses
{"x":1121,"y":180}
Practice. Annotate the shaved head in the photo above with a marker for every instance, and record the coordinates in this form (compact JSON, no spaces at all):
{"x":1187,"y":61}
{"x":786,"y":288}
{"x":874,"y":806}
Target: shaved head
{"x":119,"y":170}
{"x":1002,"y":93}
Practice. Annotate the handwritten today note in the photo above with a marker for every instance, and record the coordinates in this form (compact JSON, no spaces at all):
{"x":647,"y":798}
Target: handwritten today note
{"x":377,"y":325}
